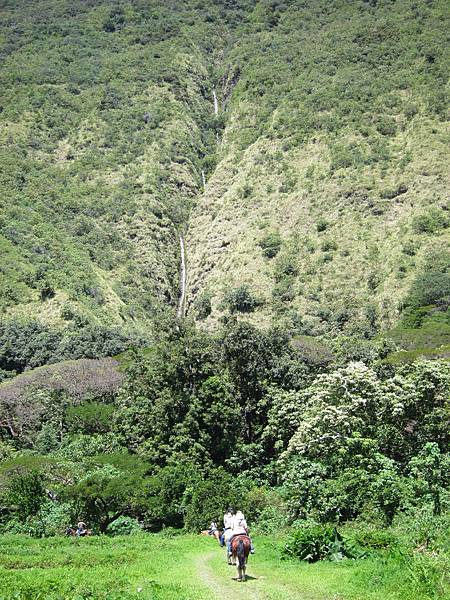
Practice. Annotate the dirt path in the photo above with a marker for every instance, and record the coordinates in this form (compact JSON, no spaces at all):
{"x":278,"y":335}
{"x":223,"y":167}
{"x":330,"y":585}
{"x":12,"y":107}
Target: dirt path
{"x":225,"y":587}
{"x":220,"y":582}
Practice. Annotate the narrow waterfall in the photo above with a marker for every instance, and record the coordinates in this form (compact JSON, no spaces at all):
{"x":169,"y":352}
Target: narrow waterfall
{"x":216,"y":103}
{"x":180,"y":312}
{"x":203,"y":178}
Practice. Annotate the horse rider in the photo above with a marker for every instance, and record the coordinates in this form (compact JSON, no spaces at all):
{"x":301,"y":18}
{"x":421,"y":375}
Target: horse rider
{"x":228,"y":518}
{"x":213,"y":528}
{"x":240,"y":527}
{"x":214,"y":531}
{"x":81,"y":529}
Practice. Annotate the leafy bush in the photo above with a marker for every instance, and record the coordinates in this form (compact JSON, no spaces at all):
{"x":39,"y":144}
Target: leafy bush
{"x":203,"y":306}
{"x":271,"y":244}
{"x":241,"y":299}
{"x":26,"y":492}
{"x":322,"y":224}
{"x":271,"y":521}
{"x":329,"y":245}
{"x":316,"y":542}
{"x":431,"y":221}
{"x":284,"y":289}
{"x":124,"y":526}
{"x":432,"y":283}
{"x":372,"y":540}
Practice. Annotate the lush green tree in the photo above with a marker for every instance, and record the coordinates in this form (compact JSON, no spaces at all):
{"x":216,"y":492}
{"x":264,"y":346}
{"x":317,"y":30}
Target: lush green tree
{"x":430,"y":469}
{"x":113,"y":486}
{"x":26,"y":493}
{"x":170,"y":491}
{"x":211,"y":497}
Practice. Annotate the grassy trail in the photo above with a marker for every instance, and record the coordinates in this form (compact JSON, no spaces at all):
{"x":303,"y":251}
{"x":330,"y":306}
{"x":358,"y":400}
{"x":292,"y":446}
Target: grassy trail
{"x":154,"y":567}
{"x":217,"y":580}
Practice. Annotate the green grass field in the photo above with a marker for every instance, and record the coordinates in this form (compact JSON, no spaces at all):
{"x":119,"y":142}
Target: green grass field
{"x":184,"y":568}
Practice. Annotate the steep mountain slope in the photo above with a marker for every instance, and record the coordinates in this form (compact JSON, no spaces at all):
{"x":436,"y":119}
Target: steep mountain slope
{"x":105,"y":111}
{"x":331,"y":183}
{"x":315,"y":191}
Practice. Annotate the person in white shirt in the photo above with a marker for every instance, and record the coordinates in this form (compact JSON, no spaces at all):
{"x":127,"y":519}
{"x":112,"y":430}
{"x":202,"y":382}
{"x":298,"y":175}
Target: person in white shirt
{"x":239,"y":527}
{"x":228,"y":518}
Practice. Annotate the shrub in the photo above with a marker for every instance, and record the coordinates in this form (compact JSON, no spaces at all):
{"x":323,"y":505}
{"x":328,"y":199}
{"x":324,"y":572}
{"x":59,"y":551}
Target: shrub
{"x":409,"y":247}
{"x":322,"y":224}
{"x":316,"y":542}
{"x":410,"y":110}
{"x":203,"y":306}
{"x":245,"y":191}
{"x":52,"y":519}
{"x":432,"y":284}
{"x":271,"y":245}
{"x":124,"y":526}
{"x":284,"y":290}
{"x":386,"y":125}
{"x":288,"y":185}
{"x":372,"y":540}
{"x":329,"y":245}
{"x":392,"y":192}
{"x":26,"y":493}
{"x":241,"y":299}
{"x":431,"y":221}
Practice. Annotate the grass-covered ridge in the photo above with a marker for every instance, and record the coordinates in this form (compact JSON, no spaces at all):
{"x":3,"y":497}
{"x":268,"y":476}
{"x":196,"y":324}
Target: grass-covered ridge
{"x":106,"y":117}
{"x":334,"y":145}
{"x":328,"y":144}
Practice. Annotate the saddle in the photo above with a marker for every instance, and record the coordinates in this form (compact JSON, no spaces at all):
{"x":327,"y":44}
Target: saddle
{"x":240,"y":536}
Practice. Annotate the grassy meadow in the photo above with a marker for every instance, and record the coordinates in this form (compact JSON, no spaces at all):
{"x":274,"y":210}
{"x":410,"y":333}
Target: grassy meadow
{"x":188,"y":567}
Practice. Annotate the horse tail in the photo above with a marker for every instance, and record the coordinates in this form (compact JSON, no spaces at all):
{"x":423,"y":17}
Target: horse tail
{"x":241,"y":554}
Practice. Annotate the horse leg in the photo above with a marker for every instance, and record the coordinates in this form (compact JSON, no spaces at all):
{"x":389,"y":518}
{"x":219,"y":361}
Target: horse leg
{"x":239,"y":572}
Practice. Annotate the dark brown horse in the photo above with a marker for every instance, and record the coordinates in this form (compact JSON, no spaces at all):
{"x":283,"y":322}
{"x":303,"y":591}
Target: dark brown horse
{"x":240,"y":549}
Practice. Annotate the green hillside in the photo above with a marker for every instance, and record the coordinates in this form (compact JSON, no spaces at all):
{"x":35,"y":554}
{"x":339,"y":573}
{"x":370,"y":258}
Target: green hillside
{"x":224,"y":282}
{"x":106,"y":120}
{"x":325,"y":167}
{"x":330,"y":184}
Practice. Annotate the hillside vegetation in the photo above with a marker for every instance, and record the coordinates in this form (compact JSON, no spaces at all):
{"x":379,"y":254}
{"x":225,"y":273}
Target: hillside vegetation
{"x":325,"y":166}
{"x":296,"y":150}
{"x":332,"y":170}
{"x":106,"y":118}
